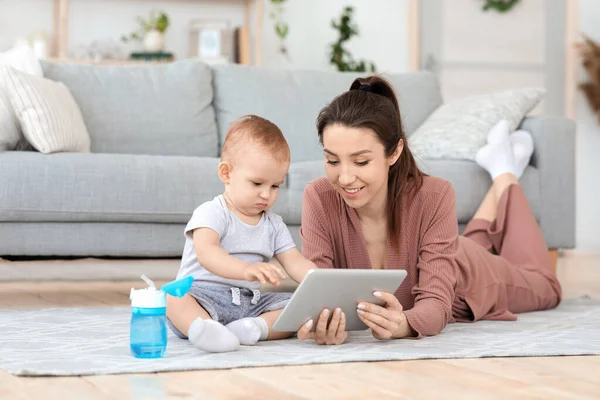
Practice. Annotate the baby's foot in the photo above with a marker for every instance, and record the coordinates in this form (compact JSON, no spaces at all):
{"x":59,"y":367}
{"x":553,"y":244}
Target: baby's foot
{"x":211,"y":336}
{"x":522,"y":145}
{"x":249,"y":330}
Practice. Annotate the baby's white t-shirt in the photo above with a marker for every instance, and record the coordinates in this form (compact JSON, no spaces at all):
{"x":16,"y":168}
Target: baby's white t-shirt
{"x":251,"y":243}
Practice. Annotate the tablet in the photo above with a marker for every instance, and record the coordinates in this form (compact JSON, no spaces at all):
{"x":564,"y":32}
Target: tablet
{"x":331,"y":288}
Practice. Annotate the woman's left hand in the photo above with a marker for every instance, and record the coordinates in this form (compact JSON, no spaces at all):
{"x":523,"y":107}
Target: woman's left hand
{"x":387,"y":321}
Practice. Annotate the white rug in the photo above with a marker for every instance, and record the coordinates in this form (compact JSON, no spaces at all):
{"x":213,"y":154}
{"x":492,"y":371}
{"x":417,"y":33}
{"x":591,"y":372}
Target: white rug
{"x":78,"y":341}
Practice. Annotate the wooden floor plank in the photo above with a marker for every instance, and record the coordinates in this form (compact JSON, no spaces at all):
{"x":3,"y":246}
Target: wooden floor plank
{"x":561,"y":375}
{"x":448,"y":377}
{"x":138,"y":386}
{"x":310,"y":381}
{"x":12,"y":387}
{"x":226,"y":384}
{"x":10,"y":300}
{"x":44,"y":388}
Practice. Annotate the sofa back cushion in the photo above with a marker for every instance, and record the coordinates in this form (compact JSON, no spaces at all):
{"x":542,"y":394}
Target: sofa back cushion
{"x":144,"y":109}
{"x":293,"y":99}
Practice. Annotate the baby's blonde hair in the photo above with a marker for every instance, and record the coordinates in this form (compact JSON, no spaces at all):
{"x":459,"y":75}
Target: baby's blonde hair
{"x":256,"y":130}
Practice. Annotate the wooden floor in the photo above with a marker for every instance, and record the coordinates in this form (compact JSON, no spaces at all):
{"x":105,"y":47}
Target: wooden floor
{"x":505,"y":378}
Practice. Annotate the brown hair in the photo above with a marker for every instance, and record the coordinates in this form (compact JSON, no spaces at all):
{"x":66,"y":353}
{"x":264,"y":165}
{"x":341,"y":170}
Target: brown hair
{"x":371,"y":103}
{"x":257,"y":130}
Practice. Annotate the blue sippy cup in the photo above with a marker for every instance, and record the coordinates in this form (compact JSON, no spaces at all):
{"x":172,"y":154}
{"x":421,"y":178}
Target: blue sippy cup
{"x":148,"y":329}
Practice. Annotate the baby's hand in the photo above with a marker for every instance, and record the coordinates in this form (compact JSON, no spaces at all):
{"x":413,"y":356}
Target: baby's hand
{"x":264,"y":272}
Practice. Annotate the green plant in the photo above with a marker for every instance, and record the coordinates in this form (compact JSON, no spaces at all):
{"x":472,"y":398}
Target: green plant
{"x":156,"y":21}
{"x":499,"y":5}
{"x":281,"y":27}
{"x":340,"y":56}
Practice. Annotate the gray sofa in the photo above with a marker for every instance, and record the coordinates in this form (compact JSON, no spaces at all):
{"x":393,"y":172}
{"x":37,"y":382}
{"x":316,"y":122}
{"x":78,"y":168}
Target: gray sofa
{"x":156,"y":132}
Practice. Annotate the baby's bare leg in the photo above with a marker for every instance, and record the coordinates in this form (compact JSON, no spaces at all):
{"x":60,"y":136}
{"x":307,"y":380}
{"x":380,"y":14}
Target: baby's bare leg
{"x":194,"y":322}
{"x":270,"y":317}
{"x":183,"y":311}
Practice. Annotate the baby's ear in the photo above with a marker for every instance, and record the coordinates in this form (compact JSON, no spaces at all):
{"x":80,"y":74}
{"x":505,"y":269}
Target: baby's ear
{"x":224,"y":171}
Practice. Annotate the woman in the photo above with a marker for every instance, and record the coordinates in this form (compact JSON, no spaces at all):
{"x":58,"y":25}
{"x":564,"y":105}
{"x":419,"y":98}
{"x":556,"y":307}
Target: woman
{"x":376,"y":209}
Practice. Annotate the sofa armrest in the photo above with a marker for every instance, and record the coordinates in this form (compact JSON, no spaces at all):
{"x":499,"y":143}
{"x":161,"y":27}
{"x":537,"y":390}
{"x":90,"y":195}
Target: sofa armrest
{"x":554,"y":157}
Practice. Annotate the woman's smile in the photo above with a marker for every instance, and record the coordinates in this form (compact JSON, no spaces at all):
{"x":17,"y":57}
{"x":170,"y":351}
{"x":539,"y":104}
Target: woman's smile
{"x":352,"y":192}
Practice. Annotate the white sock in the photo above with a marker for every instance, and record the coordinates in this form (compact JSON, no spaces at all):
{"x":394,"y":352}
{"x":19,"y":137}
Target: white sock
{"x":211,"y":336}
{"x":249,"y":330}
{"x":497,"y":158}
{"x":522,"y":145}
{"x":499,"y":132}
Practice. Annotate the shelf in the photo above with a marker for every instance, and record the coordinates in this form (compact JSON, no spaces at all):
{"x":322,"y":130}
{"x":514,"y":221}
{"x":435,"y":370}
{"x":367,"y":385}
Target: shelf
{"x":68,"y":60}
{"x":61,"y":22}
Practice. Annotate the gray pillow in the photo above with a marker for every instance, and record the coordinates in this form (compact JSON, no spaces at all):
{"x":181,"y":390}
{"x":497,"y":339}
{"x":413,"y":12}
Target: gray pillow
{"x":160,"y":109}
{"x":458,"y":129}
{"x":292,"y":99}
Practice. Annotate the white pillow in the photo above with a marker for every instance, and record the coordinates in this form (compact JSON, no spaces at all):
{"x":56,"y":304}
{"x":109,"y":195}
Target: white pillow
{"x":23,"y":59}
{"x":49,"y":117}
{"x":458,"y":129}
{"x":10,"y":133}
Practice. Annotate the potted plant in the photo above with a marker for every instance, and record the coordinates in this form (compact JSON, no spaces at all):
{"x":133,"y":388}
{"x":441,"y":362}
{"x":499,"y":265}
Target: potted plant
{"x":281,"y":27}
{"x":151,"y":32}
{"x":589,"y":51}
{"x":499,"y":5}
{"x":339,"y":56}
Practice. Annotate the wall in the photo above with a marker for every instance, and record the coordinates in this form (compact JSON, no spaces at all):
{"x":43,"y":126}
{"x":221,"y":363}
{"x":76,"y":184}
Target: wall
{"x":588,"y":148}
{"x":309,"y":21}
{"x":508,"y":50}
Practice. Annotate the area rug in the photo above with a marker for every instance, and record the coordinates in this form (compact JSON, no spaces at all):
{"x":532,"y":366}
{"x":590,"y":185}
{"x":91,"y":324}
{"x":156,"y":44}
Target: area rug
{"x":78,"y":341}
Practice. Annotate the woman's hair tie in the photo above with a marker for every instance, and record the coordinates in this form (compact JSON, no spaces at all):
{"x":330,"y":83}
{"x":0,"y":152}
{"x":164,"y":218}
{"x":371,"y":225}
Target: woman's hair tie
{"x":366,"y":87}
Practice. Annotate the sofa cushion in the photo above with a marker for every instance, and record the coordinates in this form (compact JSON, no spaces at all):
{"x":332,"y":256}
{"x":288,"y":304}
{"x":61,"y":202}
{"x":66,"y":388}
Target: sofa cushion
{"x":471,"y":183}
{"x":289,"y":202}
{"x":166,"y":189}
{"x":293,"y":99}
{"x":144,"y":109}
{"x":104,"y":187}
{"x":124,"y":188}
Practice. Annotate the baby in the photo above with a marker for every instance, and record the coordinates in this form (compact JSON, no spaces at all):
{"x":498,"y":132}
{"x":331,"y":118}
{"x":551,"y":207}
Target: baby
{"x":229,"y":241}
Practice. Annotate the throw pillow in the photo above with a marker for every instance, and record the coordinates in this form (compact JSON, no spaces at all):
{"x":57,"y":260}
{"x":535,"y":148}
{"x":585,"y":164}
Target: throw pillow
{"x":458,"y":129}
{"x":49,"y":117}
{"x":10,"y":133}
{"x":22,"y":59}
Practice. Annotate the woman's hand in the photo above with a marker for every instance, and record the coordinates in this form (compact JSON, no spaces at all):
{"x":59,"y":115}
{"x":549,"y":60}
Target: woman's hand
{"x":387,"y":321}
{"x":333,"y":332}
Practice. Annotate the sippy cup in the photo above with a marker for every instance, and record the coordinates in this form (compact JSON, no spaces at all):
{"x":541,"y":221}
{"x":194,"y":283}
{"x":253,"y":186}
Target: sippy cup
{"x":148,"y":329}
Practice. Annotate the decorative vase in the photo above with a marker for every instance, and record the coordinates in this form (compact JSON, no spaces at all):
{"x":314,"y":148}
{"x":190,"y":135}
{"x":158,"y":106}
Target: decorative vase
{"x":154,"y":41}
